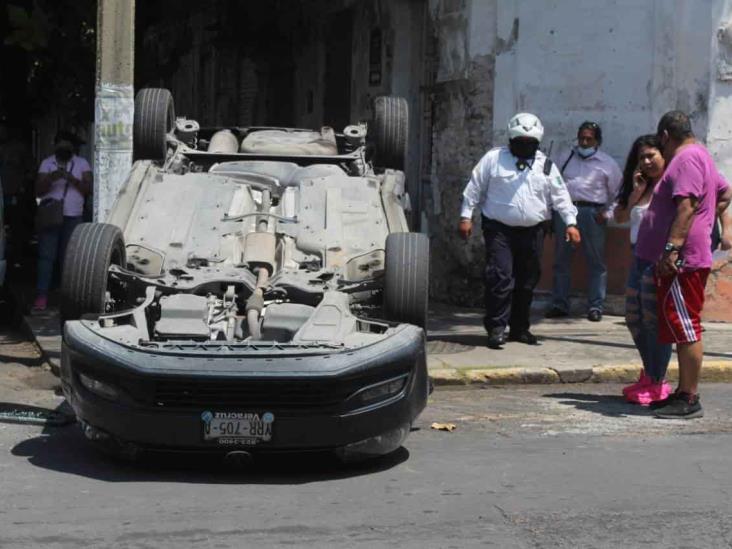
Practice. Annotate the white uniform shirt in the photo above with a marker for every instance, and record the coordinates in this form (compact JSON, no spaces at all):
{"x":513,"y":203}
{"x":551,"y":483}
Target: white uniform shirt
{"x":516,"y":198}
{"x":596,"y":178}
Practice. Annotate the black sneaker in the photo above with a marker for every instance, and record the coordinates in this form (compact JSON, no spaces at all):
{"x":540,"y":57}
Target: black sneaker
{"x":523,"y":337}
{"x":496,"y":338}
{"x":555,"y":312}
{"x":595,"y":315}
{"x":684,"y":406}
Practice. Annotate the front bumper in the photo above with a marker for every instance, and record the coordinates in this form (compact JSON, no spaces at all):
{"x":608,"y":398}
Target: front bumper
{"x":313,"y":395}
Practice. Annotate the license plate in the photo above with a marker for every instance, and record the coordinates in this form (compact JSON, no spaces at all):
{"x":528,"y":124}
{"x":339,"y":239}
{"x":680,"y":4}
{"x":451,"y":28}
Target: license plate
{"x":237,"y":428}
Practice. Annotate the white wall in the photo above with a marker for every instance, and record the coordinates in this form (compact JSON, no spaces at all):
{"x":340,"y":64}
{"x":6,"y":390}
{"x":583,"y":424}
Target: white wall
{"x":621,"y":63}
{"x":719,"y":134}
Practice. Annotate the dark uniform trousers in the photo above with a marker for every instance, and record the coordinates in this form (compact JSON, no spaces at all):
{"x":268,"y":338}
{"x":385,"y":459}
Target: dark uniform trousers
{"x":512,"y":271}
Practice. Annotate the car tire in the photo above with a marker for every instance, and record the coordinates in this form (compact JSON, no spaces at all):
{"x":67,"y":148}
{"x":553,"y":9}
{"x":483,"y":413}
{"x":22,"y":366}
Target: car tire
{"x":406,"y":279}
{"x":390,"y":132}
{"x":92,"y":248}
{"x":154,"y":119}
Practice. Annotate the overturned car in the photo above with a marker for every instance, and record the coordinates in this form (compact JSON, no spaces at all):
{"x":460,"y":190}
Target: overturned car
{"x":253,"y":289}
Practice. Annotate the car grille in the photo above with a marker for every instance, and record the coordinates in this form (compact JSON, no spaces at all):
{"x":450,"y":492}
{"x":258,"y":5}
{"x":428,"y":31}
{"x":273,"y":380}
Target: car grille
{"x":253,"y":394}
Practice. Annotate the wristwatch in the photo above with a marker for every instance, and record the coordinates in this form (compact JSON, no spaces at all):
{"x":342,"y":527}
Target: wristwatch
{"x":668,"y":248}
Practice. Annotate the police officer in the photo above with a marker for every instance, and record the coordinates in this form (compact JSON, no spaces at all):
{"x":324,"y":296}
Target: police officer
{"x":517,"y":187}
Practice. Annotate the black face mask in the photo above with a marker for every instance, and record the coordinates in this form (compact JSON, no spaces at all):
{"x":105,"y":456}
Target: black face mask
{"x":525,"y":150}
{"x":64,"y":154}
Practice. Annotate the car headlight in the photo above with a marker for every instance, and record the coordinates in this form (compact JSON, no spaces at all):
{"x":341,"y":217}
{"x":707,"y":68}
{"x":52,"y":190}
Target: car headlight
{"x":100,"y":388}
{"x":382,"y":390}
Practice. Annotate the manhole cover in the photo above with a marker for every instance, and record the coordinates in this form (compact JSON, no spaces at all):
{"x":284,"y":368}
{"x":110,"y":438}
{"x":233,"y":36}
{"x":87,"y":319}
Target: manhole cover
{"x":447,"y":347}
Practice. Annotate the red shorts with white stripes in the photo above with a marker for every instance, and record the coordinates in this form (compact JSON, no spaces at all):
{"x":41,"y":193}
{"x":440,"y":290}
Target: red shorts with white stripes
{"x":680,"y":302}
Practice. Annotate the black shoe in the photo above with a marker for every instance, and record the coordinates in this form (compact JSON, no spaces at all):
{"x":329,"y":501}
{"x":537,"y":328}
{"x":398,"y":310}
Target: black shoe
{"x":496,"y":338}
{"x":684,"y":406}
{"x":523,"y":337}
{"x":555,"y":312}
{"x":595,"y":315}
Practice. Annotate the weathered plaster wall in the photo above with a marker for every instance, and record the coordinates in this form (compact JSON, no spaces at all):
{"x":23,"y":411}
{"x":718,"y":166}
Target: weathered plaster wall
{"x":621,"y":63}
{"x":462,"y":119}
{"x":719,"y":142}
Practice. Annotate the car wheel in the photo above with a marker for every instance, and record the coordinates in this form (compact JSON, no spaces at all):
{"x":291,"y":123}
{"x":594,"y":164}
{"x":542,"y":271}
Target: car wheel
{"x":406,"y":283}
{"x":92,"y":248}
{"x":390,"y":131}
{"x":154,"y":119}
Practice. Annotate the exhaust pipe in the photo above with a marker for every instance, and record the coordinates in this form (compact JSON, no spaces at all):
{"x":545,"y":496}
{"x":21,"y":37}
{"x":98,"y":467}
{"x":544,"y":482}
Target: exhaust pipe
{"x":238,"y":459}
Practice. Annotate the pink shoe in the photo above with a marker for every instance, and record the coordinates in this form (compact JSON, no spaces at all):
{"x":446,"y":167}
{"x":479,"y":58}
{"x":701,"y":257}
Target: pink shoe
{"x":652,"y":392}
{"x":41,"y":303}
{"x":643,"y":380}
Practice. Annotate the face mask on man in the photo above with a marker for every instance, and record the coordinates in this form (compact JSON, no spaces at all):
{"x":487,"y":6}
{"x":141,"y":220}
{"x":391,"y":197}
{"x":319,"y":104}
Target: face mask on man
{"x":523,"y":148}
{"x":64,"y":152}
{"x":586,"y":152}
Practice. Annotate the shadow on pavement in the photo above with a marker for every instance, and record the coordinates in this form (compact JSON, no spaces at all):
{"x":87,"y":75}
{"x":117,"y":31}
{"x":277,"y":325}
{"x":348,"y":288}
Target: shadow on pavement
{"x":31,"y":362}
{"x":606,"y":405}
{"x":66,"y":450}
{"x":595,"y":342}
{"x":475,"y":340}
{"x":584,"y":341}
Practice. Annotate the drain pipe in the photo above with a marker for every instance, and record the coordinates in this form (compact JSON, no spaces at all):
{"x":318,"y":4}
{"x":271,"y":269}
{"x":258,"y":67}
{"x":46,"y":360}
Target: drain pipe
{"x":255,"y":304}
{"x":262,"y":254}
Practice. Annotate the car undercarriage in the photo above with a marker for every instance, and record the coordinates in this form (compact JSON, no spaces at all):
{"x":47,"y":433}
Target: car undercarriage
{"x":248,"y":249}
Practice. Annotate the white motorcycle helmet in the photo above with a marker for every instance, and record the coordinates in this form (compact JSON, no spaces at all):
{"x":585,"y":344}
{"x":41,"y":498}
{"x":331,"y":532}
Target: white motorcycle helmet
{"x":525,"y":124}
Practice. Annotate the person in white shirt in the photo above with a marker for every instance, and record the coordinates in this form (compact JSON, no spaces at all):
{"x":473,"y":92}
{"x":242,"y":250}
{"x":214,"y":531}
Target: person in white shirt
{"x":516,"y":187}
{"x":593,"y":179}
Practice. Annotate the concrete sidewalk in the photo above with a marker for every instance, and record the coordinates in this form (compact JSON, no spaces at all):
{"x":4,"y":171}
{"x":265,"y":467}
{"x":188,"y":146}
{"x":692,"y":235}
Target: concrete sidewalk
{"x":571,"y":350}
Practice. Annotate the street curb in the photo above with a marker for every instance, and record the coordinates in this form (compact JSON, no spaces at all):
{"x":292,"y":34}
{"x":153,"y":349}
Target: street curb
{"x":713,"y":371}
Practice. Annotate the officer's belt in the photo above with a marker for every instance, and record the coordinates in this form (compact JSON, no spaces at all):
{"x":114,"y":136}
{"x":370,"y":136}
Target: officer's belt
{"x":588,"y":204}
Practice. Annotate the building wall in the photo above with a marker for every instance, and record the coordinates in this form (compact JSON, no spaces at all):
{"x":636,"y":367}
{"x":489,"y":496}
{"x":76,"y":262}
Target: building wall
{"x":267,"y":63}
{"x":719,"y":140}
{"x":621,"y":63}
{"x":462,"y":110}
{"x":224,"y":62}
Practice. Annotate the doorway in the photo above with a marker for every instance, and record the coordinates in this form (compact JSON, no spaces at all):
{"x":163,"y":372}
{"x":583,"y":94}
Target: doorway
{"x":338,"y":64}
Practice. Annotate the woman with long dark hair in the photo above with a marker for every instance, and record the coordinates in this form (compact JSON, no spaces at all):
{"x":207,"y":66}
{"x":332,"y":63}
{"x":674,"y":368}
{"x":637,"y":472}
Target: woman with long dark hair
{"x":643,"y":169}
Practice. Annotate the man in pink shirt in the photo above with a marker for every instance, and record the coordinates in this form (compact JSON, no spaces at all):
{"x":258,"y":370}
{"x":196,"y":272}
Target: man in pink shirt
{"x":676,"y":235}
{"x":62,"y":176}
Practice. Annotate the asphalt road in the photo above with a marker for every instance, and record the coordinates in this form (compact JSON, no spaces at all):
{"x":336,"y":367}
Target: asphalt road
{"x":530,"y":466}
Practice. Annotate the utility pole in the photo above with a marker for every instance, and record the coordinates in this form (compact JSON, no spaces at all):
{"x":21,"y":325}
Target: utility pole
{"x":114,"y":103}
